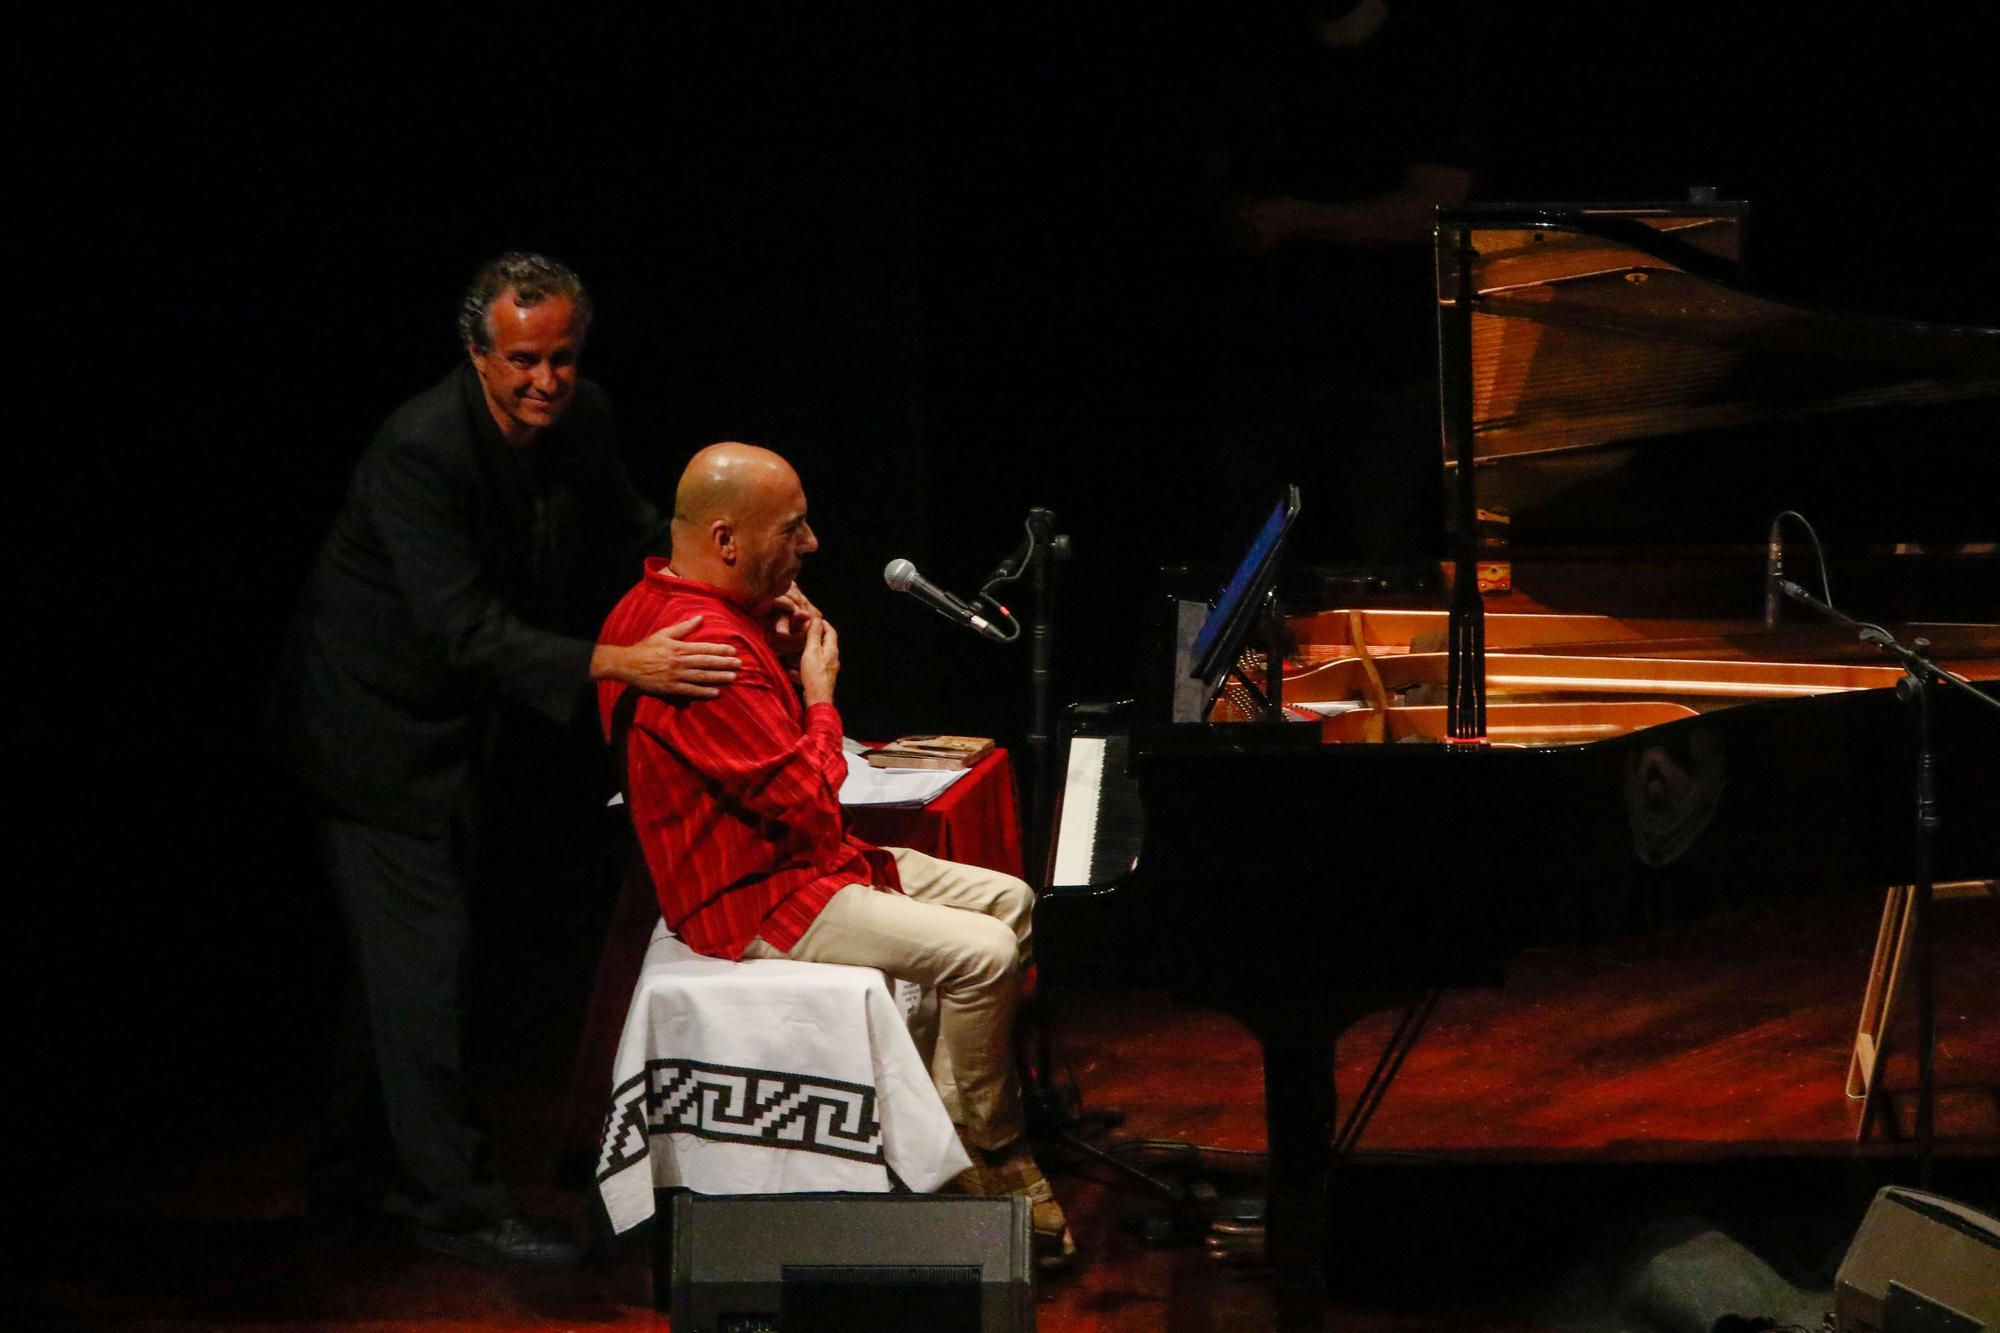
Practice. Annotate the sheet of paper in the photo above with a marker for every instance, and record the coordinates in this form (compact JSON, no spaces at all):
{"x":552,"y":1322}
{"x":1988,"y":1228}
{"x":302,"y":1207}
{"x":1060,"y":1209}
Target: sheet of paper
{"x":1329,"y":707}
{"x":894,"y":786}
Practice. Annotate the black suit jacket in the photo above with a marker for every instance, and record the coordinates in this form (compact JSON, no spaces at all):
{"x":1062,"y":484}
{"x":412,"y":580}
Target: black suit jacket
{"x":460,"y":573}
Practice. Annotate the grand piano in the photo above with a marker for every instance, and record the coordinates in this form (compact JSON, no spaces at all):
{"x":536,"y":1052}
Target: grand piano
{"x":1597,"y":724}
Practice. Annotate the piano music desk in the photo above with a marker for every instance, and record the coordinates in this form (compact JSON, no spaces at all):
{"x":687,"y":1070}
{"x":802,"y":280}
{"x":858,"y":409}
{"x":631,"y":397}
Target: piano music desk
{"x":1886,"y":983}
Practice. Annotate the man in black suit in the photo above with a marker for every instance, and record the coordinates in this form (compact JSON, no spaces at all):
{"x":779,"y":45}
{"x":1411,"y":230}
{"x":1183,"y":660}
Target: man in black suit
{"x":486,"y":529}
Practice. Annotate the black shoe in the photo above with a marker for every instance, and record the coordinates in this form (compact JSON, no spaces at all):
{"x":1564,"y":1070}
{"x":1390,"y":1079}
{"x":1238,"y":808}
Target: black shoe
{"x":511,"y":1242}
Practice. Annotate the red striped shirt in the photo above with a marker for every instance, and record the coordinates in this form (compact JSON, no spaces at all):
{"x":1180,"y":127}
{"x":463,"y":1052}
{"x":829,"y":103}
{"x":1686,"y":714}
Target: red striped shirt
{"x":736,"y":799}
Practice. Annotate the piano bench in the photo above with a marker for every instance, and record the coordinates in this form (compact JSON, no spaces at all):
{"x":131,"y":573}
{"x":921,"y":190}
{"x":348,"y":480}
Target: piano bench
{"x":768,"y":1077}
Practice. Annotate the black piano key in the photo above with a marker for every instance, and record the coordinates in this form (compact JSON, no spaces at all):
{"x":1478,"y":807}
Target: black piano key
{"x":1120,"y":823}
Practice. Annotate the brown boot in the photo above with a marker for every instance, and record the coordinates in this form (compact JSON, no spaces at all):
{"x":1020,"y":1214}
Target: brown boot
{"x":1012,"y":1170}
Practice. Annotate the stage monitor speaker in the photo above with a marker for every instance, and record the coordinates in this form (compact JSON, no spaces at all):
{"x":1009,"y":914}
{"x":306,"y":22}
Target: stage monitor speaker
{"x":1920,"y":1264}
{"x":815,"y":1263}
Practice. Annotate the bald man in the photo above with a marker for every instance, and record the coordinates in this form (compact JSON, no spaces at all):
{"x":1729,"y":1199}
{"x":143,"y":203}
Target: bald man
{"x":737,"y":802}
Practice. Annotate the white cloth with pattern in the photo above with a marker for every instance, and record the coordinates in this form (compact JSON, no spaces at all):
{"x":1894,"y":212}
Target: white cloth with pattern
{"x":768,"y":1077}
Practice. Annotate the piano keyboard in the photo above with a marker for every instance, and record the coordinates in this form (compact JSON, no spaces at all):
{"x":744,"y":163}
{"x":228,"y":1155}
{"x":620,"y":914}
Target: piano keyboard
{"x":1099,"y":831}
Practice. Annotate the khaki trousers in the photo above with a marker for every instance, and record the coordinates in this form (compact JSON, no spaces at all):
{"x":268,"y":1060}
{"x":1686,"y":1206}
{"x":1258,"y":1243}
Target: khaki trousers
{"x":963,"y":931}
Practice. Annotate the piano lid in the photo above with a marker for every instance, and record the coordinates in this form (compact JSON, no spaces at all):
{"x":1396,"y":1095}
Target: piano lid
{"x":1601,"y":335}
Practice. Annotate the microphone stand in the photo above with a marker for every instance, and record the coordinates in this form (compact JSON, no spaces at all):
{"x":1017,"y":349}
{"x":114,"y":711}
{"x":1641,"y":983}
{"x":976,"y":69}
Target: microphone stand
{"x":1047,"y":547}
{"x":1920,"y":674}
{"x":1049,"y":1111}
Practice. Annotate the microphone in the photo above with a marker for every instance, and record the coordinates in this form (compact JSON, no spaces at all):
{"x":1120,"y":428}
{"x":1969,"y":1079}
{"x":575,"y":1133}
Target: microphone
{"x":902,"y":576}
{"x":1774,"y":573}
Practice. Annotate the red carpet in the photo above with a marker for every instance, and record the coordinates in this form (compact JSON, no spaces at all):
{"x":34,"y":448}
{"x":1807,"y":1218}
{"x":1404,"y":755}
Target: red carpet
{"x":1541,"y":1140}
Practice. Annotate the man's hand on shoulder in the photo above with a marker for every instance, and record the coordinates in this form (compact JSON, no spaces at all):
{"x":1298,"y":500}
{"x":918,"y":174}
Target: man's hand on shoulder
{"x":819,"y":664}
{"x":662,"y":663}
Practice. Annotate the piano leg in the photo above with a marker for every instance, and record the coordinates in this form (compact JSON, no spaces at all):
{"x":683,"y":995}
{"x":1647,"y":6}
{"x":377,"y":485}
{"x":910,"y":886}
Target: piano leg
{"x":1298,"y":1044}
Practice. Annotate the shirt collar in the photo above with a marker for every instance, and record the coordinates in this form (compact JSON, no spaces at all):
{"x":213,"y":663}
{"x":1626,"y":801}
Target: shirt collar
{"x":660,"y":573}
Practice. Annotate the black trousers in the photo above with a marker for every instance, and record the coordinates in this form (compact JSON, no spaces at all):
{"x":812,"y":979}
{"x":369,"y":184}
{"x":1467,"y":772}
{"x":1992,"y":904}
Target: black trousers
{"x":400,"y":1133}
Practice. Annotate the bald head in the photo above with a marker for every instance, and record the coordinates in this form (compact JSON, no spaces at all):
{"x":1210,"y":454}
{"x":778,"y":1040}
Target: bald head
{"x":740,"y":523}
{"x":720,"y":478}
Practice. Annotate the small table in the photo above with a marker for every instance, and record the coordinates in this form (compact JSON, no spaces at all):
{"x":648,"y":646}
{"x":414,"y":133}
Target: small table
{"x":976,"y":820}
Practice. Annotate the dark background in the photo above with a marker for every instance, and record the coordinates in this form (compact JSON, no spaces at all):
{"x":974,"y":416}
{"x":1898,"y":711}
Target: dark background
{"x":949,"y":263}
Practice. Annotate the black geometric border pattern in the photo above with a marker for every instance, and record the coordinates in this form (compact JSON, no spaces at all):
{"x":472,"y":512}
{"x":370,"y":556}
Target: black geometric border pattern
{"x":732,"y":1104}
{"x":623,"y":1143}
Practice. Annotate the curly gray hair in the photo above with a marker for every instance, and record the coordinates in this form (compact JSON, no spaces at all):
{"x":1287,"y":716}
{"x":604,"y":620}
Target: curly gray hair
{"x":532,"y":278}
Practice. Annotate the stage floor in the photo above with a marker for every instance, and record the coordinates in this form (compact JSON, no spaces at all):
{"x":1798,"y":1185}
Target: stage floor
{"x":1541,"y":1143}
